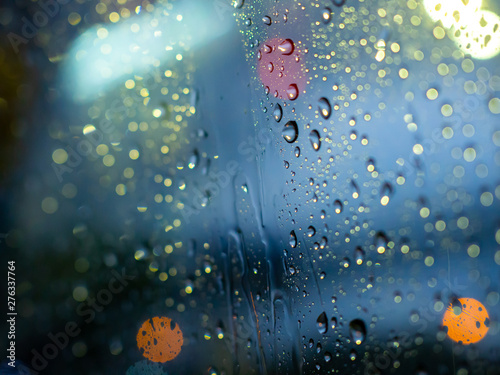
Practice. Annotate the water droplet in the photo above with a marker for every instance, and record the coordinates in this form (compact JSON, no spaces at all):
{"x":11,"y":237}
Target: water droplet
{"x":248,"y":22}
{"x":259,"y":55}
{"x":286,"y":47}
{"x":381,"y":242}
{"x":292,"y":91}
{"x":290,"y":131}
{"x":353,"y":355}
{"x":337,"y":206}
{"x":270,"y":67}
{"x":297,"y":151}
{"x":322,"y":323}
{"x":266,"y":20}
{"x":311,"y":231}
{"x":357,"y":330}
{"x":338,"y":3}
{"x":385,"y":194}
{"x":326,"y":15}
{"x":267,"y":48}
{"x":266,"y":89}
{"x":355,"y":189}
{"x":193,"y":160}
{"x":328,"y":357}
{"x":277,"y":112}
{"x":238,"y":3}
{"x":293,"y":239}
{"x":333,"y":323}
{"x":370,"y":165}
{"x":324,"y":107}
{"x":359,"y":255}
{"x":315,"y":139}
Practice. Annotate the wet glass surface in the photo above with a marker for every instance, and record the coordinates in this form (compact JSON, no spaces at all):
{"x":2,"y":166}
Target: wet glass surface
{"x":251,"y":187}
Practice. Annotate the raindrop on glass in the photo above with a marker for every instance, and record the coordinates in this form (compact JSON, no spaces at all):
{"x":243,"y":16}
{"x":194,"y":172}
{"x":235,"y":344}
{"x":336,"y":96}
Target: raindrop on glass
{"x":277,"y":112}
{"x":315,"y":139}
{"x":290,"y":131}
{"x":293,"y":239}
{"x":292,"y":91}
{"x":322,"y":323}
{"x":357,"y":331}
{"x":324,"y":107}
{"x":286,"y":47}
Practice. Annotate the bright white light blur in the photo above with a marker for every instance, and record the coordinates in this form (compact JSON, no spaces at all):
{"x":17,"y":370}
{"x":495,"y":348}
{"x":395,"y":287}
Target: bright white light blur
{"x":99,"y":60}
{"x":480,"y":38}
{"x":476,"y":32}
{"x":452,"y":12}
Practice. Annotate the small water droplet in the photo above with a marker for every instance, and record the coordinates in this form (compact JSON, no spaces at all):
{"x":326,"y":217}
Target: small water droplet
{"x":270,"y":67}
{"x":333,"y":322}
{"x":290,"y":131}
{"x":293,"y":239}
{"x":267,"y":89}
{"x":311,"y":231}
{"x":292,"y":91}
{"x":338,"y":3}
{"x":286,"y":47}
{"x":267,"y":48}
{"x":359,"y":255}
{"x":357,"y":330}
{"x":353,"y":355}
{"x":315,"y":139}
{"x":381,"y":242}
{"x":259,"y":55}
{"x":266,"y":20}
{"x":248,"y":22}
{"x":326,"y":15}
{"x":193,"y":160}
{"x":324,"y":107}
{"x":337,"y":206}
{"x":322,"y":323}
{"x":277,"y":112}
{"x":385,"y":193}
{"x":297,"y":151}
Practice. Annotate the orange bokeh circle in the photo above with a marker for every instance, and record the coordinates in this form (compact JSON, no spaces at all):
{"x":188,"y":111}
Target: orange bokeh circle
{"x":158,"y":340}
{"x":467,"y":322}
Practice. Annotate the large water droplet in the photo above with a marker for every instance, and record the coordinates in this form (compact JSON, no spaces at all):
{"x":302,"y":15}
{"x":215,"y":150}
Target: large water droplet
{"x":292,"y":91}
{"x":286,"y":47}
{"x":290,"y":131}
{"x":322,"y":323}
{"x":238,"y":3}
{"x":325,"y":109}
{"x":315,"y":139}
{"x":357,"y":330}
{"x":293,"y":239}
